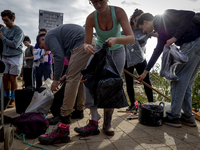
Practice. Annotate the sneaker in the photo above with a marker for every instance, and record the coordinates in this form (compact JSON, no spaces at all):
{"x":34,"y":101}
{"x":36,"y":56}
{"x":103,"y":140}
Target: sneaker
{"x":4,"y":94}
{"x":77,"y":114}
{"x":90,"y":129}
{"x":11,"y":104}
{"x":60,"y":118}
{"x":174,"y":123}
{"x":13,"y":96}
{"x":191,"y":124}
{"x":131,"y":108}
{"x":59,"y":135}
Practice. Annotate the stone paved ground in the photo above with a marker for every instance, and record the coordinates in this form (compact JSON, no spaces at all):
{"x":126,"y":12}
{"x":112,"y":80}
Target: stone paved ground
{"x":129,"y":135}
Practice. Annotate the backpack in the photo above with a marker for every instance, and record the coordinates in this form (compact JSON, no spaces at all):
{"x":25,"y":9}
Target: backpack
{"x":31,"y":124}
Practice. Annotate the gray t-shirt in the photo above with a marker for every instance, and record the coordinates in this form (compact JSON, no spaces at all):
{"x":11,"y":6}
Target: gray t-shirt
{"x":29,"y":53}
{"x":61,"y":41}
{"x":12,"y":41}
{"x":141,"y":37}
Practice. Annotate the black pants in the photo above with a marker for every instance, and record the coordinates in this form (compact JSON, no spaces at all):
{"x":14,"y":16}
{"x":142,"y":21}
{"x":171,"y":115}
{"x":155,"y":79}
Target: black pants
{"x":129,"y":81}
{"x":28,"y":77}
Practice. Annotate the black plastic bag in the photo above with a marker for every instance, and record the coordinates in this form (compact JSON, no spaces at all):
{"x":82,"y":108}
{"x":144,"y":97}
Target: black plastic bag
{"x":58,"y":101}
{"x":104,"y":82}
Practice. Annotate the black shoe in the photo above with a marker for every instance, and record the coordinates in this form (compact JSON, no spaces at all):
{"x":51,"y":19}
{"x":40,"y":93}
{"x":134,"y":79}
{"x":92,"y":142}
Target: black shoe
{"x":172,"y":122}
{"x":131,"y":108}
{"x":188,"y":123}
{"x":77,"y":114}
{"x":60,"y":118}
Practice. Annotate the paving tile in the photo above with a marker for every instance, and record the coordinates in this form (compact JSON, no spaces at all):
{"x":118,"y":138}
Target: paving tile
{"x":169,"y":140}
{"x":188,"y":138}
{"x":154,"y":131}
{"x":129,"y":134}
{"x":101,"y":137}
{"x":118,"y":136}
{"x":127,"y":144}
{"x":149,"y":142}
{"x":184,"y":147}
{"x":197,"y":145}
{"x":126,"y":126}
{"x":137,"y":133}
{"x":160,"y":148}
{"x":105,"y":145}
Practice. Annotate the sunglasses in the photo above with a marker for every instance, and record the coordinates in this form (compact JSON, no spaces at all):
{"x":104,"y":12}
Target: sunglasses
{"x":94,"y":2}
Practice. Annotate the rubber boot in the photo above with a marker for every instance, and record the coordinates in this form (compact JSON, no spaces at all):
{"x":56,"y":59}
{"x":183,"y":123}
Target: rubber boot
{"x":108,"y":130}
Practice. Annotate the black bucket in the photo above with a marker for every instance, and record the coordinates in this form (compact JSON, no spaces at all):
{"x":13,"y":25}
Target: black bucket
{"x":23,"y":98}
{"x":150,"y":114}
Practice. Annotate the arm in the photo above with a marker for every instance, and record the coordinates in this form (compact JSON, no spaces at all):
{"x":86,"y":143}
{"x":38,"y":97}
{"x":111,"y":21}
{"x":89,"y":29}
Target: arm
{"x":58,"y":54}
{"x":123,"y":20}
{"x":16,"y":41}
{"x":25,"y":58}
{"x":156,"y":53}
{"x":89,"y":49}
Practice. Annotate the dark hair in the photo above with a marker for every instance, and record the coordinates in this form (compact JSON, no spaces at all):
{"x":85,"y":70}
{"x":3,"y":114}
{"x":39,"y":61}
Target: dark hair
{"x":136,"y":13}
{"x":26,"y":38}
{"x":42,"y":30}
{"x":8,"y":13}
{"x":145,"y":16}
{"x":38,"y":39}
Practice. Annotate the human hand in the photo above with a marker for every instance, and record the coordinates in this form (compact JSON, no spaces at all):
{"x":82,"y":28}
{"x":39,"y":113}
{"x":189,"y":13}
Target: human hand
{"x":155,"y":34}
{"x":1,"y":25}
{"x":111,"y":41}
{"x":47,"y":52}
{"x":89,"y":49}
{"x":54,"y":85}
{"x":63,"y":79}
{"x":142,"y":76}
{"x":1,"y":34}
{"x":171,"y":41}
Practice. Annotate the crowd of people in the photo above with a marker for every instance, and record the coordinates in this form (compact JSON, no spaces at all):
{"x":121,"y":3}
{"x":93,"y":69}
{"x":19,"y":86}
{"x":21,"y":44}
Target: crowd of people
{"x":73,"y":43}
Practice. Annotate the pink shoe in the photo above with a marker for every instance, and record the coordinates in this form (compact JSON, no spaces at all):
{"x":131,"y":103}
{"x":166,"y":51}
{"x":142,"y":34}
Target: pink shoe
{"x":90,"y":129}
{"x":60,"y":134}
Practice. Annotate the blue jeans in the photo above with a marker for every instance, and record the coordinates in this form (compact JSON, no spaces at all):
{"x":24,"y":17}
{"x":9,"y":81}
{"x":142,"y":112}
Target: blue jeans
{"x":42,"y":70}
{"x":181,"y":90}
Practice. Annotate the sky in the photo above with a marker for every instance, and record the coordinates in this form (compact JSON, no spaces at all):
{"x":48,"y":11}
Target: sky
{"x":76,"y":11}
